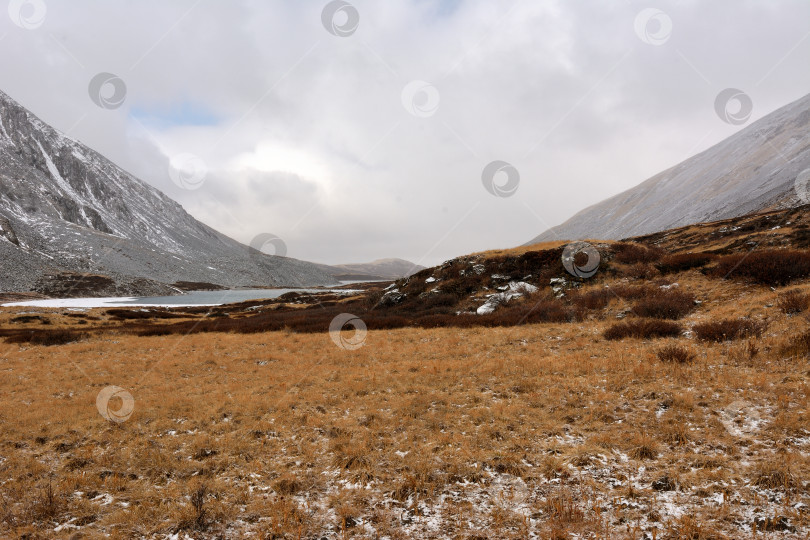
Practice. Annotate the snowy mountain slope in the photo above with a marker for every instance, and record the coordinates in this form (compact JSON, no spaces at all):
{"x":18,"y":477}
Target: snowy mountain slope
{"x":754,"y":169}
{"x":66,"y":208}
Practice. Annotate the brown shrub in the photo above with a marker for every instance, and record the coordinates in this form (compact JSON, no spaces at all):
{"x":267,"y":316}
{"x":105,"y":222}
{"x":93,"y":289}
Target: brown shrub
{"x":634,"y":292}
{"x":627,"y":253}
{"x":47,"y":338}
{"x":28,"y":319}
{"x":729,"y":329}
{"x":681,"y":262}
{"x":549,"y":310}
{"x":793,"y":301}
{"x":666,"y":304}
{"x":156,"y":331}
{"x":643,"y":329}
{"x":441,"y":299}
{"x":594,"y":299}
{"x":774,"y":267}
{"x":639,"y":271}
{"x":135,"y":314}
{"x":675,"y":354}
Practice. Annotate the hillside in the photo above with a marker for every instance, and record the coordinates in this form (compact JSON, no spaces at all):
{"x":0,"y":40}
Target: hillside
{"x":755,"y":169}
{"x":380,"y":269}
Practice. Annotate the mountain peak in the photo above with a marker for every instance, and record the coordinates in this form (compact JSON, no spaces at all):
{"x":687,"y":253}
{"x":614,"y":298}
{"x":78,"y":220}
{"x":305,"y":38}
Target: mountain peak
{"x":73,"y":211}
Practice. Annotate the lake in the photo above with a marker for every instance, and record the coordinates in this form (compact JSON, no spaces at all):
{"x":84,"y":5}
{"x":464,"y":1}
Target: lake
{"x":190,"y":299}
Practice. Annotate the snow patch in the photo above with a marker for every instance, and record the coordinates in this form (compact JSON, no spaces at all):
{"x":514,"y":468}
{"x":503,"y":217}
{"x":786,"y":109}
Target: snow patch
{"x":94,"y":303}
{"x":63,"y":184}
{"x":5,"y":133}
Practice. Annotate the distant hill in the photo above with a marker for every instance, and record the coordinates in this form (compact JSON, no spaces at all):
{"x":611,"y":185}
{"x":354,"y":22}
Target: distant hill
{"x":74,"y":223}
{"x":379,"y":269}
{"x":751,"y":171}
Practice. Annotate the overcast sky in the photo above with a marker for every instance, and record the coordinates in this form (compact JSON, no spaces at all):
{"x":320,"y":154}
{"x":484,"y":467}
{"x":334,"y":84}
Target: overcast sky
{"x":354,"y":142}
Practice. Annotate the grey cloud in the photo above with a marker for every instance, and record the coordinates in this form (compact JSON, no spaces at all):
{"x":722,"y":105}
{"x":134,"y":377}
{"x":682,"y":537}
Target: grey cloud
{"x":601,"y":110}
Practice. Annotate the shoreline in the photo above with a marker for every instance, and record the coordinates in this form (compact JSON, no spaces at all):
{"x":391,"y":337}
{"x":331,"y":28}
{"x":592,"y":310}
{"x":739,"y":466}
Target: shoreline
{"x":144,"y":301}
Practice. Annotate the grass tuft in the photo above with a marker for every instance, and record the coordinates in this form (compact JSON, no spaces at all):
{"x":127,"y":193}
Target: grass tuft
{"x":675,"y":354}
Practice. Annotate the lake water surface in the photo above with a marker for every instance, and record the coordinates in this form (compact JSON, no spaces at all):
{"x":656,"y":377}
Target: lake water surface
{"x":213,"y":298}
{"x":190,"y":299}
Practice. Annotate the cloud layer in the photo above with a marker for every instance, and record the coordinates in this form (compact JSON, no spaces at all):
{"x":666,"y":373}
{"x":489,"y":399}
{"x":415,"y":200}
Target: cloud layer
{"x":373,"y":144}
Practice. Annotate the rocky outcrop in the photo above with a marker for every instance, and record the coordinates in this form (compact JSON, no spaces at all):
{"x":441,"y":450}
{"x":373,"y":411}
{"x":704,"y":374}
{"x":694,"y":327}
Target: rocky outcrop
{"x":7,"y":231}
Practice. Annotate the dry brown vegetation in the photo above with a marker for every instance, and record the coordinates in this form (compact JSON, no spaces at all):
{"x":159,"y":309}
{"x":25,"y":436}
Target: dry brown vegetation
{"x":530,"y":431}
{"x":666,"y":304}
{"x":793,"y":302}
{"x":729,"y":329}
{"x":676,"y":354}
{"x":642,"y":329}
{"x":555,"y":417}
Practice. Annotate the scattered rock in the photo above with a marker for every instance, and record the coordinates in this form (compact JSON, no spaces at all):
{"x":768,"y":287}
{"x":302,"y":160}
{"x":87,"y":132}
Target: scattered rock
{"x":558,"y":286}
{"x":7,"y":231}
{"x":392,"y":298}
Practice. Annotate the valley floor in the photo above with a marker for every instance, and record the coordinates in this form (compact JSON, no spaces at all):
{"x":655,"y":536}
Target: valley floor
{"x":531,"y":431}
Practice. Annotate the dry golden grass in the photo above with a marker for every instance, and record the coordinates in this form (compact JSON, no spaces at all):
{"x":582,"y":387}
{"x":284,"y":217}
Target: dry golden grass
{"x":520,"y":250}
{"x":529,"y":431}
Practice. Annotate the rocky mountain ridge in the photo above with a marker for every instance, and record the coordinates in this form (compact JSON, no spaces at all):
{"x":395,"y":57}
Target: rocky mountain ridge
{"x":67,"y":211}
